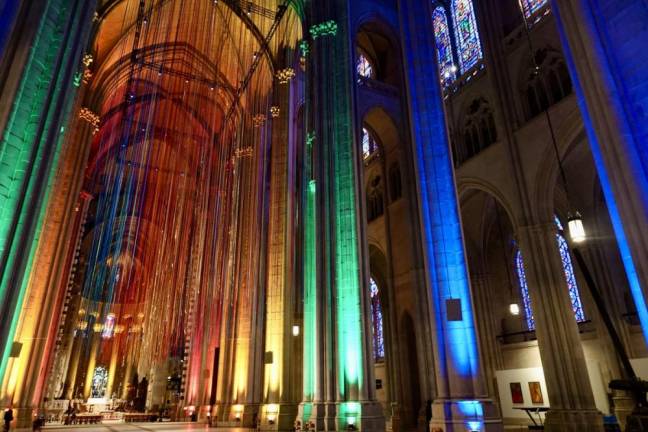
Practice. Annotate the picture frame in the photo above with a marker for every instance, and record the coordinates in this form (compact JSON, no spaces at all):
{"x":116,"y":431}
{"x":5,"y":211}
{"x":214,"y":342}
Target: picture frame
{"x":516,"y":393}
{"x":535,"y":389}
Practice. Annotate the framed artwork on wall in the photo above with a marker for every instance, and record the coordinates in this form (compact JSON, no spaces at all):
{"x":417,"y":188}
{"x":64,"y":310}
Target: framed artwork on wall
{"x":536,"y":392}
{"x":516,"y":393}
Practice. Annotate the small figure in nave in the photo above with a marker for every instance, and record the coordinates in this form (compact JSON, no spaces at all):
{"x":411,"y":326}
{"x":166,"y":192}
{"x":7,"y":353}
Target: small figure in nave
{"x":8,"y":418}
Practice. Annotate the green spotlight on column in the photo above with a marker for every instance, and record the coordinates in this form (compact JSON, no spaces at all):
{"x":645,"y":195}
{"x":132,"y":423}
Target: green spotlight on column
{"x":310,"y":305}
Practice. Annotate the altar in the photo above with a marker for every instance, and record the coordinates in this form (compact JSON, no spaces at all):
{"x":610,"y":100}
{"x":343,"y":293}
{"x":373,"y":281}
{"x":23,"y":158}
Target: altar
{"x":97,"y":405}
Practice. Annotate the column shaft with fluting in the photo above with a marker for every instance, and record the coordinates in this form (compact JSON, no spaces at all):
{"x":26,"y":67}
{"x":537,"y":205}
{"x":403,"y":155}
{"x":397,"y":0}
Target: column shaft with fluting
{"x":339,"y":393}
{"x":561,"y":352}
{"x":460,"y":399}
{"x":603,"y":42}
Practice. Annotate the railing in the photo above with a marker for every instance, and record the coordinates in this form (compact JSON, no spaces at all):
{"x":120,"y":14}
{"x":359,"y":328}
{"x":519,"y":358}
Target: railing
{"x":530,"y":335}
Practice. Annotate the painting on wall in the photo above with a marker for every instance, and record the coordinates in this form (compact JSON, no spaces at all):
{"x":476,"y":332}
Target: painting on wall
{"x":516,"y":393}
{"x":536,"y":392}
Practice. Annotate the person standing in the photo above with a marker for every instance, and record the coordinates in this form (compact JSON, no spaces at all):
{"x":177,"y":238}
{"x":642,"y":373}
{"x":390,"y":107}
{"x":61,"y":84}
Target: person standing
{"x":8,"y":418}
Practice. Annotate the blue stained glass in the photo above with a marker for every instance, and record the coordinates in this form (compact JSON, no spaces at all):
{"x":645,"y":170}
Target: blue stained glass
{"x":377,"y":321}
{"x":568,"y":268}
{"x":369,"y":145}
{"x":532,"y":6}
{"x":443,"y":44}
{"x":364,"y":67}
{"x":465,"y":27}
{"x":524,"y":290}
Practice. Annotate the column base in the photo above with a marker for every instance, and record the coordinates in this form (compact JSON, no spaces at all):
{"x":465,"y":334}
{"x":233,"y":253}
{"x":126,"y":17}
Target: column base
{"x":341,"y":416}
{"x":624,"y":404}
{"x":395,"y":419}
{"x":311,"y":416}
{"x":278,"y":417}
{"x":236,"y":415}
{"x":454,"y":415}
{"x":574,"y":420}
{"x":23,"y":417}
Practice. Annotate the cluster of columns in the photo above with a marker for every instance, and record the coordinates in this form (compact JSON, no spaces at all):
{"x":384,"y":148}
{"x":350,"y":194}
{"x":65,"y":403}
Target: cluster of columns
{"x":39,"y":63}
{"x":460,"y":399}
{"x":338,"y":388}
{"x":607,"y":70}
{"x":603,"y":42}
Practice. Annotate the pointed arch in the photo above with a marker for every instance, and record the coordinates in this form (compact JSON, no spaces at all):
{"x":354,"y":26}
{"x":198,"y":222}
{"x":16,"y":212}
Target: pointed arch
{"x":377,"y":321}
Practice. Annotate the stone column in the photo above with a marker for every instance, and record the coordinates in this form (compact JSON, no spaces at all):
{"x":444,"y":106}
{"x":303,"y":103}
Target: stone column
{"x":95,"y":342}
{"x":112,"y":368}
{"x":461,"y":397}
{"x":72,"y":370}
{"x":482,"y":284}
{"x":563,"y":361}
{"x":64,"y":320}
{"x":242,"y":357}
{"x":603,"y":42}
{"x":338,"y":367}
{"x":31,"y":146}
{"x":279,"y":398}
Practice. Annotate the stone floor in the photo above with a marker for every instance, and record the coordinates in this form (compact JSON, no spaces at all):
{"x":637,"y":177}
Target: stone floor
{"x":134,"y":427}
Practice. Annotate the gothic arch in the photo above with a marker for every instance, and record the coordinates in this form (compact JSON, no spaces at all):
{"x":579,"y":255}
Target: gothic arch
{"x":375,"y":36}
{"x":541,"y":88}
{"x":466,"y":185}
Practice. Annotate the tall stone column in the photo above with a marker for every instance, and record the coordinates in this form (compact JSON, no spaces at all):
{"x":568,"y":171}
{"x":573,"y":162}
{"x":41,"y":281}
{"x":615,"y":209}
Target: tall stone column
{"x":280,"y":400}
{"x":604,"y":42}
{"x":54,"y":364}
{"x":72,"y":369}
{"x":112,"y":368}
{"x":461,"y":397}
{"x":563,"y":361}
{"x":338,"y":366}
{"x":46,"y":291}
{"x":95,"y":342}
{"x":242,"y":357}
{"x":32,"y":136}
{"x":482,"y":284}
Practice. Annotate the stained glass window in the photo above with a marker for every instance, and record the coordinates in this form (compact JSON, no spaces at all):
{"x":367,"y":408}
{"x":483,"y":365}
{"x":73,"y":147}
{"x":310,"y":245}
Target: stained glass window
{"x":465,"y":27}
{"x":369,"y":145}
{"x":109,"y":327}
{"x":443,"y":44}
{"x":524,"y":290}
{"x":568,"y":268}
{"x":99,"y":382}
{"x":532,"y":6}
{"x":377,"y":321}
{"x":364,"y":67}
{"x":570,"y":279}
